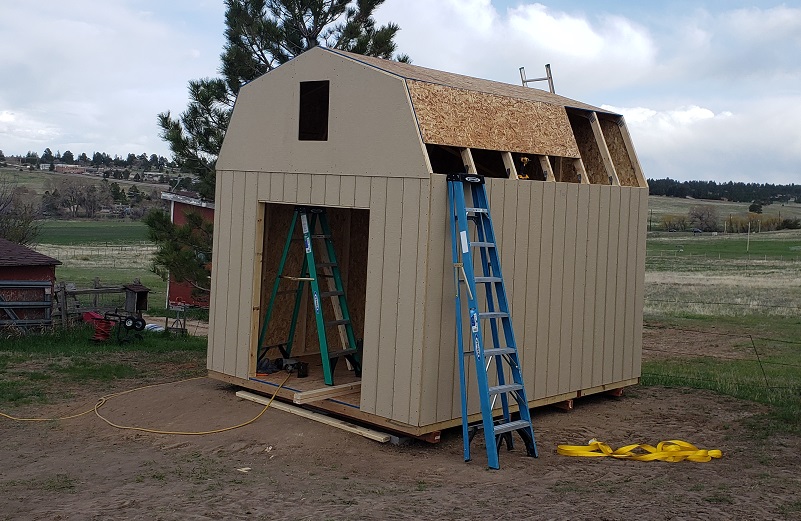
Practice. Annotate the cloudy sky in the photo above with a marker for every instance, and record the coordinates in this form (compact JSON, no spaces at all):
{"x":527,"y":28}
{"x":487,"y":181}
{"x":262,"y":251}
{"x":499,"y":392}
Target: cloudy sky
{"x":710,"y":89}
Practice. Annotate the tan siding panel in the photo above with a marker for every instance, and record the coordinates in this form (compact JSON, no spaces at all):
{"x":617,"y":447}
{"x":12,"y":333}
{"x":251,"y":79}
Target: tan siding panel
{"x":318,"y":189}
{"x":555,"y":348}
{"x":566,"y":368}
{"x":577,"y":357}
{"x":304,"y":188}
{"x":600,"y":286}
{"x":372,"y":313}
{"x":632,"y":228}
{"x":592,"y":347}
{"x":530,"y":349}
{"x":347,"y":191}
{"x":611,"y":281}
{"x":332,"y":188}
{"x":233,"y":333}
{"x":215,"y":354}
{"x":290,"y":188}
{"x":276,"y":189}
{"x":362,"y":196}
{"x":544,"y":300}
{"x":621,"y":296}
{"x":468,"y":119}
{"x":247,"y":279}
{"x":519,"y":295}
{"x":640,"y":288}
{"x":390,"y":286}
{"x":408,"y":214}
{"x":420,"y":297}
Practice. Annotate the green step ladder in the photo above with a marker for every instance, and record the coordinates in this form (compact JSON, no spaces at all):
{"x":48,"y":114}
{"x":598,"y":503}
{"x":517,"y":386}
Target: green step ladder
{"x":471,"y":230}
{"x":315,"y":229}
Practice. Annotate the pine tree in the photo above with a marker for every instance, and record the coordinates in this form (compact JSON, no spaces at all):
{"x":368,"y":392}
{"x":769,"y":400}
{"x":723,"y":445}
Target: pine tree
{"x":260,"y":35}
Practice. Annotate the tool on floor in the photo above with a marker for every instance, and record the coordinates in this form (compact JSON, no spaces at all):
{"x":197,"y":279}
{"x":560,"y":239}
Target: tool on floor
{"x":315,"y":228}
{"x":508,"y":379}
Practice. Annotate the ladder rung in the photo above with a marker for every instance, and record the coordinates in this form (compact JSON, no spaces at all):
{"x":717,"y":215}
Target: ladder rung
{"x":476,"y":210}
{"x":331,"y":293}
{"x":482,"y":244}
{"x":337,"y":322}
{"x":497,"y":351}
{"x":493,"y":314}
{"x":344,"y":352}
{"x":511,"y":426}
{"x":320,"y":236}
{"x":506,"y":388}
{"x":488,"y":279}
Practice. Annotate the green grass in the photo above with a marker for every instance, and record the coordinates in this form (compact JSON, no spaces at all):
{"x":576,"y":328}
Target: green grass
{"x":43,"y":368}
{"x":771,"y":244}
{"x":106,"y":231}
{"x":768,"y":372}
{"x":659,"y":206}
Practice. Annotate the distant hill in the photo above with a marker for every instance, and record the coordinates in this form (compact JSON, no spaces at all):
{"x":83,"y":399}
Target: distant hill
{"x":736,"y":192}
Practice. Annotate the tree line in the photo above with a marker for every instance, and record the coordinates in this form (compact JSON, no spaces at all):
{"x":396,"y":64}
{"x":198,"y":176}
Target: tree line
{"x":760,"y":193}
{"x":98,"y":160}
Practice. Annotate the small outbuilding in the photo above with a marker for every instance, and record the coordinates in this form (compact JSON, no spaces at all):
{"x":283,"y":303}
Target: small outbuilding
{"x":26,"y":286}
{"x":371,"y":141}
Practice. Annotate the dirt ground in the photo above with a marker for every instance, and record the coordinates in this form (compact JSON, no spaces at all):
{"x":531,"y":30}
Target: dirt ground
{"x":286,"y":467}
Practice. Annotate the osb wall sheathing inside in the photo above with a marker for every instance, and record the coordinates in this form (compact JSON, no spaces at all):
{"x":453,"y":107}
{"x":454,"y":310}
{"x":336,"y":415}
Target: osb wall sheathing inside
{"x":564,"y":170}
{"x":590,"y":155}
{"x":469,"y":119}
{"x":349,"y":229}
{"x":617,"y":149}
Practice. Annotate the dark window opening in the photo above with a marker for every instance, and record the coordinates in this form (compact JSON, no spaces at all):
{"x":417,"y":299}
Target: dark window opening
{"x":313,"y":119}
{"x":489,"y":163}
{"x":445,"y":160}
{"x":528,"y":166}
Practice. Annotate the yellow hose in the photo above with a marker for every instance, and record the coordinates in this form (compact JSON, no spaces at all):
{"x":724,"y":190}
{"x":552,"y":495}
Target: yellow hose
{"x":671,"y":450}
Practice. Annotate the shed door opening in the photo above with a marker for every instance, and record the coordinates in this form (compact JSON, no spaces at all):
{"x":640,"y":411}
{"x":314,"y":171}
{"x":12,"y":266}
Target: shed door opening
{"x":313,"y":118}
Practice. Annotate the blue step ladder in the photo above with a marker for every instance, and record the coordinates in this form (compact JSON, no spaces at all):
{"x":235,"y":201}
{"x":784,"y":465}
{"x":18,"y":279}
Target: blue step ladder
{"x":466,"y":238}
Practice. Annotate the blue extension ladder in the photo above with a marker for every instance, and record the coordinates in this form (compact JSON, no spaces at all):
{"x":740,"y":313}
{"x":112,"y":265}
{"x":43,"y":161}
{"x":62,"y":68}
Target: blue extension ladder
{"x":503,"y":354}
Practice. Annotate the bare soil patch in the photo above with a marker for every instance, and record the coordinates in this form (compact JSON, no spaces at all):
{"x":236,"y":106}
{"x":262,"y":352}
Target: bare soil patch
{"x":285,"y":467}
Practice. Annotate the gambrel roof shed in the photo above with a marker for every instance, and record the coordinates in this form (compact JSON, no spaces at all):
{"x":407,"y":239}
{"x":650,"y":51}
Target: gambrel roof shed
{"x":370,"y":140}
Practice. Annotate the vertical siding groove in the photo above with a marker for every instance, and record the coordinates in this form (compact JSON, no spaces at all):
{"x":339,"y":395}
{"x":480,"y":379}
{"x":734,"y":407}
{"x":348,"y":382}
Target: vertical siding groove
{"x":600,"y":286}
{"x":577,"y":365}
{"x":372,"y":313}
{"x":544,"y":295}
{"x":233,"y":288}
{"x":247,"y":280}
{"x":420,"y":296}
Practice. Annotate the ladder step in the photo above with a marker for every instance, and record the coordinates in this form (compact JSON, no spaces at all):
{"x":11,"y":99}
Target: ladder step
{"x":506,"y":388}
{"x":511,"y":426}
{"x":331,"y":293}
{"x":344,"y":352}
{"x":320,"y":236}
{"x":493,"y":314}
{"x":497,"y":351}
{"x":487,"y":279}
{"x":476,"y":210}
{"x":337,"y":322}
{"x":482,"y":244}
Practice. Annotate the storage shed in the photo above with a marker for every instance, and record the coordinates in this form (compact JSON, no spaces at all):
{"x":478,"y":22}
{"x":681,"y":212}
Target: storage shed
{"x":372,"y":141}
{"x":26,"y":286}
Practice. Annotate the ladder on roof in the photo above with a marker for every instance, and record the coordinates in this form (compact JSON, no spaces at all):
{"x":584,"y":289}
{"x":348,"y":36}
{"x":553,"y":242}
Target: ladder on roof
{"x":508,"y":380}
{"x":326,"y":268}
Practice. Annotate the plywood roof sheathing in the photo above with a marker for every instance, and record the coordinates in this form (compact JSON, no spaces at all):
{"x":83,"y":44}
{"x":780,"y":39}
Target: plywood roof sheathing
{"x":599,"y":138}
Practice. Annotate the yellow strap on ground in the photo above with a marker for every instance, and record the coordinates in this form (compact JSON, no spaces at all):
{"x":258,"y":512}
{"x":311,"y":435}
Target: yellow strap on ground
{"x":670,"y":450}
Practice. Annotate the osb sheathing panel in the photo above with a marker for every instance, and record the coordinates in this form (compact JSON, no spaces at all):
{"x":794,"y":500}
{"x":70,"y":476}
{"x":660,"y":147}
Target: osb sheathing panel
{"x":617,"y":149}
{"x":593,"y":162}
{"x":469,"y":119}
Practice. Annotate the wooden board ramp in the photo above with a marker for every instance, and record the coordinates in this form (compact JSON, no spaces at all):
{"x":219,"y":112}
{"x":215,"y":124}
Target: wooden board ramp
{"x":372,"y":434}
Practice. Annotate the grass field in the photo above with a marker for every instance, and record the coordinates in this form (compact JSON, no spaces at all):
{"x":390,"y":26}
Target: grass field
{"x":660,"y":205}
{"x":85,"y":232}
{"x":39,"y":181}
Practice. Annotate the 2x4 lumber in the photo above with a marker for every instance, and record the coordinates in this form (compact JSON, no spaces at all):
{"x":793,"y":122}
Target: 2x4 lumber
{"x":545,"y":164}
{"x":316,"y":395}
{"x":467,"y":160}
{"x":604,"y":149}
{"x":635,"y":162}
{"x":509,"y":164}
{"x":579,"y":166}
{"x":374,"y":435}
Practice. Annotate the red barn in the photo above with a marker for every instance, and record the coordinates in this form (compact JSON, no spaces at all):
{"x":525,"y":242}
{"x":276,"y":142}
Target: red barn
{"x":180,"y":206}
{"x":26,"y":285}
